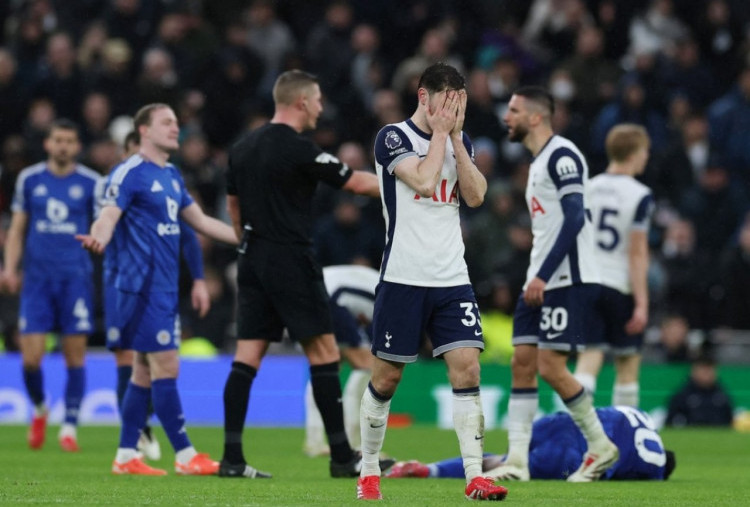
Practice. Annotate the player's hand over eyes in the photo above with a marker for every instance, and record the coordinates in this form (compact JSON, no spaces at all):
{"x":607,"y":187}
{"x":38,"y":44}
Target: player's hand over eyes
{"x":443,"y":118}
{"x":460,"y":113}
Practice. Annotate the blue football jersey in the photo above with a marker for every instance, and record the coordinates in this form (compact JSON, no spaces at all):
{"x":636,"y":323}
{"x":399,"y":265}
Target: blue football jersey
{"x":147,"y":236}
{"x":557,"y":445}
{"x":58,"y":208}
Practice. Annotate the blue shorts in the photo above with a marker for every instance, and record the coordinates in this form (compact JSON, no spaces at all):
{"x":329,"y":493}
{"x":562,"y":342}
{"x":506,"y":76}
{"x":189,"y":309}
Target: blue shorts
{"x":148,"y":322}
{"x":56,"y":305}
{"x":608,"y":325}
{"x":349,"y":332}
{"x":562,"y":321}
{"x":403,"y":314}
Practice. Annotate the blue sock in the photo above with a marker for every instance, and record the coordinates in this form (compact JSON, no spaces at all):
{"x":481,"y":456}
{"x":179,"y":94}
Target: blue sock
{"x":34,"y":385}
{"x":123,"y":377}
{"x":169,"y":411}
{"x":74,"y":393}
{"x":133,"y":413}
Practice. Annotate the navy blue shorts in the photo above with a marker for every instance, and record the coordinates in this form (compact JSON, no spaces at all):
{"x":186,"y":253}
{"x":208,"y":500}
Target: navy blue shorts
{"x":608,"y":326}
{"x":449,"y":316}
{"x":562,"y":321}
{"x":147,"y":322}
{"x":56,"y":305}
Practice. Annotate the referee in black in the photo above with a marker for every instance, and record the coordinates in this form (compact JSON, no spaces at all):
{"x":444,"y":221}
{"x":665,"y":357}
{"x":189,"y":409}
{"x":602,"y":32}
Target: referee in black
{"x":273,"y":174}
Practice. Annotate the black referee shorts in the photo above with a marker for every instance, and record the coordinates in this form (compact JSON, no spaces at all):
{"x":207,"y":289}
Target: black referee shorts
{"x":280,"y":286}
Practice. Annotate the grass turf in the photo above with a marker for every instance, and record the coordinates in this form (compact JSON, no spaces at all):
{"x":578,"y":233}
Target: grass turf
{"x":712,"y":469}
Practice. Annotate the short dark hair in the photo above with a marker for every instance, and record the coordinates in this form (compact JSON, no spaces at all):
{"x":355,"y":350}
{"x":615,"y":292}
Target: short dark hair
{"x":144,"y":114}
{"x":132,"y":137}
{"x":63,"y":124}
{"x":291,"y":84}
{"x":538,"y":95}
{"x":441,"y":76}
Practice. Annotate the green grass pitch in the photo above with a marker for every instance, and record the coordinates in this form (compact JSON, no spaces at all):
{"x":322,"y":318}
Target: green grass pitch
{"x":713,"y":468}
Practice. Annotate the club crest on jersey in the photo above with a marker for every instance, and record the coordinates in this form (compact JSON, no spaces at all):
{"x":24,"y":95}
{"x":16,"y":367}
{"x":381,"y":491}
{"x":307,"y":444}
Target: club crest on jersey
{"x":536,"y":207}
{"x":392,"y":140}
{"x":39,"y":191}
{"x":176,"y":186}
{"x":75,"y":192}
{"x":566,"y":168}
{"x":163,"y":337}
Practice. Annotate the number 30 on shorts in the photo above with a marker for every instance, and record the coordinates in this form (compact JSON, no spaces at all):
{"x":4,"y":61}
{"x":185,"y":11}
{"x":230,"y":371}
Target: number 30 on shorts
{"x":555,"y":319}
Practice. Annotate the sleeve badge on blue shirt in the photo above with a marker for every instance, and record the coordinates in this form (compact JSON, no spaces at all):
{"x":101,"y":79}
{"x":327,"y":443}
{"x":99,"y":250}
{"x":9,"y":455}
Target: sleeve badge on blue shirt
{"x":392,"y":140}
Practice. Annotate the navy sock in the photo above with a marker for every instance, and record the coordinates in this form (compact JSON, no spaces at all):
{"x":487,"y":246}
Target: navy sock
{"x":133,"y":413}
{"x":236,"y":400}
{"x":74,"y":393}
{"x":326,"y":387}
{"x":123,"y":377}
{"x":169,"y":411}
{"x":34,"y":381}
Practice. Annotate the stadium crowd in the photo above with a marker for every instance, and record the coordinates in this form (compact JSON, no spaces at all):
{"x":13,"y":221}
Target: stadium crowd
{"x":680,"y":69}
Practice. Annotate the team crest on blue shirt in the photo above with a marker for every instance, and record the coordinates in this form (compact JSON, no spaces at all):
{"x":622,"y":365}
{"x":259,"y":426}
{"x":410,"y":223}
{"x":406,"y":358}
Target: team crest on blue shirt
{"x":39,"y":190}
{"x":392,"y":140}
{"x":112,"y":192}
{"x":176,"y":186}
{"x":75,"y":192}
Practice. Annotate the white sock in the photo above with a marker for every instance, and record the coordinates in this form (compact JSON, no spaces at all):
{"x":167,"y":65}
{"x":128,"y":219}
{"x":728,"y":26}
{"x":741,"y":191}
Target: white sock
{"x":583,"y":414}
{"x":124,"y":455}
{"x":353,"y":391}
{"x":468,"y":421}
{"x":315,"y":435}
{"x":522,"y":408}
{"x":67,"y":430}
{"x":588,"y":382}
{"x":373,"y":419}
{"x":183,"y":456}
{"x":626,"y":394}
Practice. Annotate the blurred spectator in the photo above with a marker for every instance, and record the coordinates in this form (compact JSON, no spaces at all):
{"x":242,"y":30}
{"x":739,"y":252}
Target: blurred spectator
{"x":552,"y":25}
{"x":681,"y":164}
{"x":497,"y":320}
{"x":715,"y":206}
{"x":343,"y":238}
{"x":514,"y":267}
{"x":369,"y":70}
{"x":89,"y":52}
{"x":201,"y":175}
{"x":686,"y":73}
{"x":97,"y":114}
{"x":271,"y":38}
{"x":488,"y":245}
{"x":171,"y":35}
{"x":12,"y":160}
{"x":594,"y":78}
{"x":133,"y":20}
{"x":735,"y":274}
{"x":689,"y":277}
{"x":630,"y":107}
{"x":60,"y":79}
{"x":102,"y":155}
{"x":656,"y":29}
{"x":719,"y":35}
{"x":614,"y":17}
{"x":215,"y":326}
{"x":702,"y":400}
{"x":481,"y":116}
{"x":114,"y":78}
{"x":729,"y":128}
{"x":28,"y":47}
{"x":14,"y":99}
{"x":673,"y":346}
{"x":40,"y":116}
{"x":158,"y":81}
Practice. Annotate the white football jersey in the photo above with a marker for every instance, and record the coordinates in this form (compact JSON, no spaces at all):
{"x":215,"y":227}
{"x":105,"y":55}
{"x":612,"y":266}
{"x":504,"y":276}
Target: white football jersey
{"x":559,"y":169}
{"x":424,"y":246}
{"x":352,"y":287}
{"x":619,"y":205}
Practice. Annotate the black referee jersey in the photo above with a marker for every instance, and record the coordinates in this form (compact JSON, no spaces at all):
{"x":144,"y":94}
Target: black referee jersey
{"x":274,"y":172}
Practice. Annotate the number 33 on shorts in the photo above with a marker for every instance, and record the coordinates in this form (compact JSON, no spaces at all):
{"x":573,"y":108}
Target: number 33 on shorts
{"x":554,"y":321}
{"x":471,"y":319}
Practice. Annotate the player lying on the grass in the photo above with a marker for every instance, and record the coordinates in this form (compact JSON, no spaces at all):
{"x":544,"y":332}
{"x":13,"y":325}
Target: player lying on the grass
{"x":557,"y":446}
